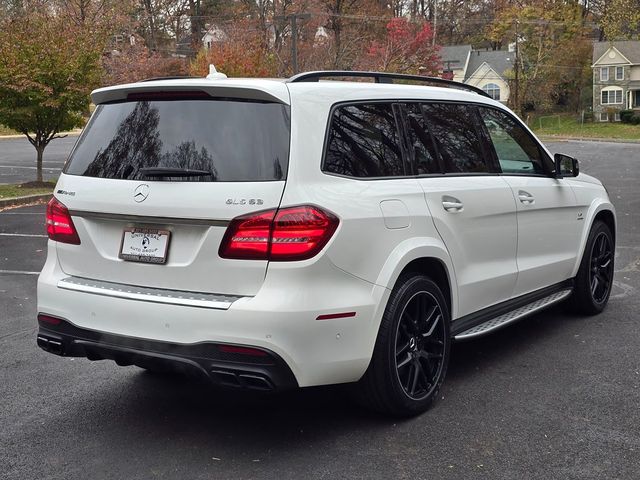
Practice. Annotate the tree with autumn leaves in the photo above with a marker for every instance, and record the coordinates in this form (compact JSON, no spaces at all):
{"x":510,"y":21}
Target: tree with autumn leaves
{"x":48,"y":67}
{"x":407,"y":47}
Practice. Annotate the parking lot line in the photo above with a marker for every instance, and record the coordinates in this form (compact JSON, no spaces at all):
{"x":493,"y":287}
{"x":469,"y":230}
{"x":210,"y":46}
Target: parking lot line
{"x":21,"y":213}
{"x":22,"y":235}
{"x":18,"y":272}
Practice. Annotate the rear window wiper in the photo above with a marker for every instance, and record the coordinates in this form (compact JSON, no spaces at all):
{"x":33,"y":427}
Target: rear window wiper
{"x":173,"y":172}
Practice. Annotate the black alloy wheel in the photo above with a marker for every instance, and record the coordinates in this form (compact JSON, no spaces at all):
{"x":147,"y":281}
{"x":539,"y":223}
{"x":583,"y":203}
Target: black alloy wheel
{"x":601,"y":268}
{"x":420,"y":345}
{"x":594,"y":280}
{"x":411,"y":353}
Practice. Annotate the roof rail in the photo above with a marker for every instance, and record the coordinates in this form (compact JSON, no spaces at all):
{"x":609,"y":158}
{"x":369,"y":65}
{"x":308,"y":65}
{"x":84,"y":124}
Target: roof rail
{"x":176,"y":77}
{"x":383,"y":77}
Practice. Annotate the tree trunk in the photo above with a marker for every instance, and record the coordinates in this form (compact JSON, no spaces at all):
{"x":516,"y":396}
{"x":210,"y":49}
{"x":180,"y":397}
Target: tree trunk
{"x":40,"y":151}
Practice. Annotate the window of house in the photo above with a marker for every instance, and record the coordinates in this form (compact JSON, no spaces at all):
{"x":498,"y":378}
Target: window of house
{"x":604,"y":74}
{"x":616,"y":117}
{"x":619,"y":73}
{"x":517,"y":152}
{"x":611,"y":95}
{"x":493,"y":90}
{"x":455,"y":133}
{"x":604,"y":117}
{"x":364,"y":142}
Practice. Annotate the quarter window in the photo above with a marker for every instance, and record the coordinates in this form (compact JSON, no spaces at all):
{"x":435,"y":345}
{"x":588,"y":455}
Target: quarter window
{"x":517,"y":152}
{"x":604,"y":74}
{"x":493,"y":90}
{"x":619,"y":73}
{"x":455,"y":134}
{"x":364,"y":142}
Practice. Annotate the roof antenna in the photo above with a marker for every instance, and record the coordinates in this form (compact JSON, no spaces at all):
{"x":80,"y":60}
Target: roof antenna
{"x":214,"y":74}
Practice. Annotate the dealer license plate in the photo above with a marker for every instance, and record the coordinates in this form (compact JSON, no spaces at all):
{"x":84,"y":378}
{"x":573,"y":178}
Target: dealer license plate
{"x":145,"y":245}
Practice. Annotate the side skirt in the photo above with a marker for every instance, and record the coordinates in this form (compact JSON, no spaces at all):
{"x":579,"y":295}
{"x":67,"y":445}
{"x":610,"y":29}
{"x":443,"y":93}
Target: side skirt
{"x":497,"y":316}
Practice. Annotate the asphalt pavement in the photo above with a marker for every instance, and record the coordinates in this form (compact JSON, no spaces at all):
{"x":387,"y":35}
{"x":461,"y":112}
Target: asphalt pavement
{"x":555,"y":396}
{"x":18,"y":159}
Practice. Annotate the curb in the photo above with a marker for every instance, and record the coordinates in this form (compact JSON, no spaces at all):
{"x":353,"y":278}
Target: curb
{"x":26,"y":200}
{"x":586,"y":139}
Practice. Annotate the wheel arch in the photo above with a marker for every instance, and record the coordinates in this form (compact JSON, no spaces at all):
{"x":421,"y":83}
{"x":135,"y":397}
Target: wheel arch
{"x":608,"y":217}
{"x":598,"y":211}
{"x":430,"y":258}
{"x":435,"y":269}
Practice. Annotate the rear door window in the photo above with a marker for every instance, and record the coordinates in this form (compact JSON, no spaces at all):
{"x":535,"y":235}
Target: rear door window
{"x":421,"y":145}
{"x":364,"y":142}
{"x":457,"y":138}
{"x":229,"y":140}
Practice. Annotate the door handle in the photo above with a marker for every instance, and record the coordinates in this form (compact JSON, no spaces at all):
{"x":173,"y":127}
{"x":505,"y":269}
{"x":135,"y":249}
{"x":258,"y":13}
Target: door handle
{"x":526,"y":198}
{"x":452,"y":204}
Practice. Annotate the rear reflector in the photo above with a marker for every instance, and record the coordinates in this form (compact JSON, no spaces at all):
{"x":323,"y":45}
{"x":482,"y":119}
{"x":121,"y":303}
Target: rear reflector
{"x":293,"y":233}
{"x":60,"y":227}
{"x":252,"y":352}
{"x":331,"y":316}
{"x":49,"y":319}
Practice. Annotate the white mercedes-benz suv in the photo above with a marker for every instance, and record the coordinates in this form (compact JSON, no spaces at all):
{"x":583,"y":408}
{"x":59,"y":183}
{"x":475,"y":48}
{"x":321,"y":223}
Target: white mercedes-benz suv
{"x":273,"y":234}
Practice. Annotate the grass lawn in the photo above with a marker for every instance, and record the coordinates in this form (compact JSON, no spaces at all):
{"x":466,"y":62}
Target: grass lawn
{"x":23,"y":189}
{"x":6,"y":131}
{"x":570,"y":127}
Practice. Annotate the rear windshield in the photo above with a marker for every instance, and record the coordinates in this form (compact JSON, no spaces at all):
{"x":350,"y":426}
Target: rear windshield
{"x":229,"y":140}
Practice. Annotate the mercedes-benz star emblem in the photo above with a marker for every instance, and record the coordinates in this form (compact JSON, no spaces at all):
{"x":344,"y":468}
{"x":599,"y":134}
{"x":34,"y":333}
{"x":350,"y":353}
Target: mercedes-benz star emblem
{"x":141,"y":192}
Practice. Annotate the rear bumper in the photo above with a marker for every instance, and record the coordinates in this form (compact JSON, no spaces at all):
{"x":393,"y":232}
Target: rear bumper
{"x":290,"y":316}
{"x":255,"y":369}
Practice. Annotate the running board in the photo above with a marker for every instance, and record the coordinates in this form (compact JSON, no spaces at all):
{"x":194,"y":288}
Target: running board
{"x":514,"y":315}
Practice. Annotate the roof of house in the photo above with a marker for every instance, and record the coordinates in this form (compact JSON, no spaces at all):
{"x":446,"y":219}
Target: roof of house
{"x":456,"y":54}
{"x":499,"y":60}
{"x":629,"y":48}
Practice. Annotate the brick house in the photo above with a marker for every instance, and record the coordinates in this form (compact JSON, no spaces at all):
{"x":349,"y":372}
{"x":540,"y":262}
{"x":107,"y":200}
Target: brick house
{"x":616,"y":79}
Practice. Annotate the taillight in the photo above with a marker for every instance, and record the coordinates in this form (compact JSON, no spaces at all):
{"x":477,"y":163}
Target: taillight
{"x":294,"y":233}
{"x":60,"y":227}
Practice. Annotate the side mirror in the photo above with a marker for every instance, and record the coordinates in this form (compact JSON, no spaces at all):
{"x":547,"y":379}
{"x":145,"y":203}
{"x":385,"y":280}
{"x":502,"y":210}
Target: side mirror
{"x":566,"y":166}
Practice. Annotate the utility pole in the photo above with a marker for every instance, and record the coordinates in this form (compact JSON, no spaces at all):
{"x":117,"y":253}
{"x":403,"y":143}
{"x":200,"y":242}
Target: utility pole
{"x":435,"y":23}
{"x":293,"y":20}
{"x":516,"y":95}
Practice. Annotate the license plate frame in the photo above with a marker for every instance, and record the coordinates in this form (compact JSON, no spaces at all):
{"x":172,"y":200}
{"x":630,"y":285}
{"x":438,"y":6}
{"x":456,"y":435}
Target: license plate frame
{"x":157,"y":238}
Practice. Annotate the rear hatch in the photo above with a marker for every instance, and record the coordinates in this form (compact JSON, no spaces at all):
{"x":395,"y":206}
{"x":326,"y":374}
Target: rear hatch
{"x":156,"y":177}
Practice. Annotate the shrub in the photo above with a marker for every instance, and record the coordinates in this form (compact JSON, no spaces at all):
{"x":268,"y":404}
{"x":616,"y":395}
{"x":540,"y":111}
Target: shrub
{"x":629,"y":116}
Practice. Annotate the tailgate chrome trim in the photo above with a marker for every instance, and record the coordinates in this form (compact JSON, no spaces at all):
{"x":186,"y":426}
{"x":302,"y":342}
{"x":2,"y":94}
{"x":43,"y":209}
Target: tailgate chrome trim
{"x":145,"y":294}
{"x":149,"y":219}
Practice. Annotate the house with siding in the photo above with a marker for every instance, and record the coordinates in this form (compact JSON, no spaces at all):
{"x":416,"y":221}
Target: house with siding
{"x":485,"y":69}
{"x":616,"y":79}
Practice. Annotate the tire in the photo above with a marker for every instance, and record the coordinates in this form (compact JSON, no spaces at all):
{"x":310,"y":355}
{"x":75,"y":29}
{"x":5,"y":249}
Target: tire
{"x":411,"y":353}
{"x":595,"y":276}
